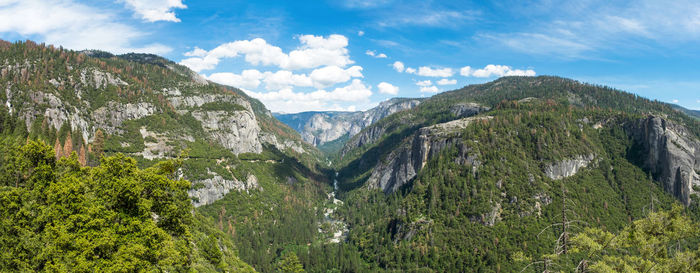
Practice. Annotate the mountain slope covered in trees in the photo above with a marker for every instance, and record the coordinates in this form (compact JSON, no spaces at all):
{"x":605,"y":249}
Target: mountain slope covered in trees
{"x":146,"y":166}
{"x":99,"y":105}
{"x":440,"y":189}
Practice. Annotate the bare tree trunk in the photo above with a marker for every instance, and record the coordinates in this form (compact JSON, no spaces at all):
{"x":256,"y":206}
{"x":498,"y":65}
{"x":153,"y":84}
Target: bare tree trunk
{"x":564,"y":222}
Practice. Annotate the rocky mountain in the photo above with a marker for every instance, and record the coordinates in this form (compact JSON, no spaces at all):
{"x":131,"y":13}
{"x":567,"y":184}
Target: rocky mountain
{"x":424,"y":131}
{"x":148,"y":108}
{"x":479,"y":179}
{"x":498,"y":159}
{"x":323,"y":129}
{"x":96,"y":104}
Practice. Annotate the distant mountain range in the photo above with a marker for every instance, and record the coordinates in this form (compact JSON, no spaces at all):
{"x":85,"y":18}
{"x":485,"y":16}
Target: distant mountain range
{"x":328,"y":130}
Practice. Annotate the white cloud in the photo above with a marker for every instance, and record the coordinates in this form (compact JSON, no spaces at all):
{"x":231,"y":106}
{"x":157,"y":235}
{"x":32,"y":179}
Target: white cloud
{"x":465,"y":71}
{"x":447,"y":82}
{"x":374,"y":54}
{"x":410,"y":70}
{"x":360,"y":33}
{"x":72,"y":25}
{"x":426,"y":71}
{"x":498,"y":71}
{"x":424,"y":83}
{"x":387,"y":88}
{"x":155,"y":10}
{"x":196,"y":52}
{"x":247,"y":79}
{"x":285,"y":79}
{"x":314,"y":51}
{"x":429,"y":89}
{"x":287,"y":100}
{"x":675,"y":101}
{"x":398,"y":66}
{"x":330,"y":75}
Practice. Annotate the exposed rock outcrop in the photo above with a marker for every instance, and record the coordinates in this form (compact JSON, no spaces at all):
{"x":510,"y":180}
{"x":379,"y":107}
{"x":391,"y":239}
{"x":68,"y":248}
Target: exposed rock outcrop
{"x":318,"y":128}
{"x":567,"y":167}
{"x":373,"y":133}
{"x":209,"y":190}
{"x":236,"y":131}
{"x":670,"y":152}
{"x":404,"y":163}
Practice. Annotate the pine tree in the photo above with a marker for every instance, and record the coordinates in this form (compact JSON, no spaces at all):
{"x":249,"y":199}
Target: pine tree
{"x":290,"y":264}
{"x":98,"y":144}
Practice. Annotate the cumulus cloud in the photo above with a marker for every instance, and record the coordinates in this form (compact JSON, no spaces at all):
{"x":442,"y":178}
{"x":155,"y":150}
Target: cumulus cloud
{"x":492,"y":70}
{"x":330,"y":75}
{"x":398,"y":66}
{"x":285,"y":79}
{"x":360,"y":33}
{"x":155,"y":10}
{"x":427,"y":86}
{"x":387,"y":88}
{"x":287,"y":100}
{"x":196,"y":52}
{"x":424,"y":83}
{"x":429,"y":89}
{"x":465,"y":71}
{"x":426,"y":71}
{"x":72,"y":25}
{"x":315,"y":51}
{"x":410,"y":70}
{"x":247,"y":79}
{"x":447,"y":82}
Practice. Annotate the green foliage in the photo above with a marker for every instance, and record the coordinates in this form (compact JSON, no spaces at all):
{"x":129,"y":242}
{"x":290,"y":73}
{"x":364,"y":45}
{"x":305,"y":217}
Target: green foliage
{"x":290,"y":264}
{"x":664,"y":241}
{"x":60,"y":217}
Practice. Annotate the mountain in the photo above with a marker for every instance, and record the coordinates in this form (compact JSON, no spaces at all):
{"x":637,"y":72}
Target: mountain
{"x":134,"y":163}
{"x":329,"y":130}
{"x":98,"y":105}
{"x":470,"y":177}
{"x":689,"y":112}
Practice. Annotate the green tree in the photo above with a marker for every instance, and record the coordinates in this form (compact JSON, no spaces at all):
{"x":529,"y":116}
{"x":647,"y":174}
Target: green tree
{"x":662,"y":242}
{"x":290,"y":264}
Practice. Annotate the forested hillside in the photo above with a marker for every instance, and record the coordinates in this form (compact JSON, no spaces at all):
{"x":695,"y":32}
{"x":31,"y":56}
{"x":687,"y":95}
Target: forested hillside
{"x":441,"y":189}
{"x":58,"y":216}
{"x":127,"y":163}
{"x":98,"y":105}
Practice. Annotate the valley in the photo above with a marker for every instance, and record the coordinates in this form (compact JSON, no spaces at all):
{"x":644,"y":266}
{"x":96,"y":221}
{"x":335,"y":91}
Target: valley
{"x":132,"y":162}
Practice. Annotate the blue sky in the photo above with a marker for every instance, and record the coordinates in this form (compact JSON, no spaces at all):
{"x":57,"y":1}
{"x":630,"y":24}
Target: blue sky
{"x":352,"y":54}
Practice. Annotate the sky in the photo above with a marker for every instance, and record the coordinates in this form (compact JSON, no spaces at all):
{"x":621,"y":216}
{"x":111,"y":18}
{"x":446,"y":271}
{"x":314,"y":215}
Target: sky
{"x":349,"y":55}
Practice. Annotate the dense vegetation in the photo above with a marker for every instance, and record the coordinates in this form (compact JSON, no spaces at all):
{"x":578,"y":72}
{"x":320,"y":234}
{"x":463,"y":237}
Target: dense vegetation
{"x":57,"y":216}
{"x":81,"y":204}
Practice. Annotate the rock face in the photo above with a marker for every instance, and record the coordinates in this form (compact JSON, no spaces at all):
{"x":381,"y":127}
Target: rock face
{"x":318,"y":128}
{"x":404,"y":163}
{"x":209,"y":190}
{"x":567,"y":167}
{"x":670,"y":152}
{"x":171,"y":113}
{"x":237,"y":130}
{"x":373,"y":133}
